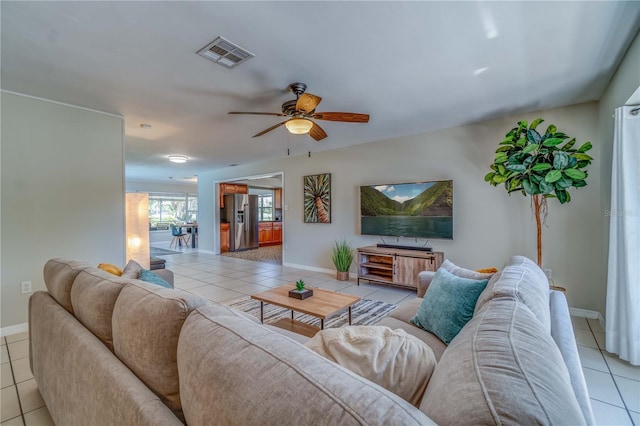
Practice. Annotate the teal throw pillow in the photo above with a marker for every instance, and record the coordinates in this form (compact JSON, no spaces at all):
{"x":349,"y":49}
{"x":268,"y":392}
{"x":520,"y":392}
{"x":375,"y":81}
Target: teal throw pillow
{"x":448,"y":304}
{"x":153,"y":278}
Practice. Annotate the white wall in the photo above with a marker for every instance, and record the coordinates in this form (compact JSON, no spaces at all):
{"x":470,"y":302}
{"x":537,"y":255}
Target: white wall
{"x":489,"y":225}
{"x":62,"y":192}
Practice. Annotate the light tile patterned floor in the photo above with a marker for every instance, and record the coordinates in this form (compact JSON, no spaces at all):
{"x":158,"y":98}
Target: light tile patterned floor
{"x":614,"y":385}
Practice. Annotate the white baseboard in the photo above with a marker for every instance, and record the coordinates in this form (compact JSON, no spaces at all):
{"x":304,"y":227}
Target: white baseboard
{"x":352,"y":275}
{"x":586,"y":313}
{"x":309,"y":268}
{"x":207,"y":251}
{"x":14,"y":329}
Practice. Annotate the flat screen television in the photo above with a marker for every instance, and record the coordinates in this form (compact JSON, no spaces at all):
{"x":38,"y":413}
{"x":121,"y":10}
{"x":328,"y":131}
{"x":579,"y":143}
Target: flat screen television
{"x":414,"y":210}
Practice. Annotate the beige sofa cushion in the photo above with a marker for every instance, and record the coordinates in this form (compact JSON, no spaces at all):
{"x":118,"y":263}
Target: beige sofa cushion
{"x":502,"y":368}
{"x":147,"y":320}
{"x":401,"y":318}
{"x":523,"y":280}
{"x":248,"y":375}
{"x":393,"y":359}
{"x":59,"y":274}
{"x":93,"y":295}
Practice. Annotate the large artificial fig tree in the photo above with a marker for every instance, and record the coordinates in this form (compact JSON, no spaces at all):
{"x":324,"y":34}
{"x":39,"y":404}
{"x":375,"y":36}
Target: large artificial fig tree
{"x":543,"y":165}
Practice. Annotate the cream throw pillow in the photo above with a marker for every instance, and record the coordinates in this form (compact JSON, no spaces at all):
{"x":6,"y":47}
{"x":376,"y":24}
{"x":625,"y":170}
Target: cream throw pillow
{"x":393,"y":359}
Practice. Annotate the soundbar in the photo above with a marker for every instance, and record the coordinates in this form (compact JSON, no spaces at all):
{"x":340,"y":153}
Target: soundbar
{"x":427,"y":249}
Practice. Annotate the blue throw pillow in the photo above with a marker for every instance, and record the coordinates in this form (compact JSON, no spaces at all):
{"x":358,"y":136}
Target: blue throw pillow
{"x":153,"y":278}
{"x":448,"y":304}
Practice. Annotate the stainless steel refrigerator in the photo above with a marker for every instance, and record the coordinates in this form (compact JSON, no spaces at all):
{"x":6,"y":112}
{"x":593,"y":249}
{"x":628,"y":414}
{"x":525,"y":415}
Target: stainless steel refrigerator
{"x":242,"y":215}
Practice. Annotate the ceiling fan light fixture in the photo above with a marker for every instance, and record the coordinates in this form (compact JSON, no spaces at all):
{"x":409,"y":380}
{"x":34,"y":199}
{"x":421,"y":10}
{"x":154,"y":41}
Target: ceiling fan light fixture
{"x":299,"y":126}
{"x":178,"y":158}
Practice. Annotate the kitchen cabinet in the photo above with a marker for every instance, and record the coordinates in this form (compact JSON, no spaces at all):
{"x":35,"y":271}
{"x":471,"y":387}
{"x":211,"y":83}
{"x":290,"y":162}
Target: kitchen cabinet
{"x":224,"y":237}
{"x":277,"y":198}
{"x":231,"y":188}
{"x":269,"y":233}
{"x":277,"y":232}
{"x":265,"y":233}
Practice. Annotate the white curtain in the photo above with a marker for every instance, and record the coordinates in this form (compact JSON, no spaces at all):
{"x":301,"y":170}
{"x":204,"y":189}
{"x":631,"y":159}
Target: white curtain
{"x":623,"y":281}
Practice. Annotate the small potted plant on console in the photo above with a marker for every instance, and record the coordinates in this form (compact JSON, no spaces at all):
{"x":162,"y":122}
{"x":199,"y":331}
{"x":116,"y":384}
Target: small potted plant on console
{"x":300,"y":292}
{"x":342,"y":256}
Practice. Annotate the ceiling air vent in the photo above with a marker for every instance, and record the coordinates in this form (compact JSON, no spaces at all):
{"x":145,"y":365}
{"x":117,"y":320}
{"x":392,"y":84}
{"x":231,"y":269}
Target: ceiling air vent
{"x":225,"y":53}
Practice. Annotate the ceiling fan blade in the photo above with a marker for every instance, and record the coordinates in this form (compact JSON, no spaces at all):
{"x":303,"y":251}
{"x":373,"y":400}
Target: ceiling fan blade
{"x":258,"y":113}
{"x":307,"y":102}
{"x":269,"y":129}
{"x":350,"y":117}
{"x":317,"y":133}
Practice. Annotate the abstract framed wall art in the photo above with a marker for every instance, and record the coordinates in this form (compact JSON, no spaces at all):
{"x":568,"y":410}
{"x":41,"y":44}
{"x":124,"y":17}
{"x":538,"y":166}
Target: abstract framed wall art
{"x":317,"y":198}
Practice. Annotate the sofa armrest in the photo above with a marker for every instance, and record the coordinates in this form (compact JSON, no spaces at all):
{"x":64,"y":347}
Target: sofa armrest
{"x":562,"y":333}
{"x":165,"y":274}
{"x":425,"y":278}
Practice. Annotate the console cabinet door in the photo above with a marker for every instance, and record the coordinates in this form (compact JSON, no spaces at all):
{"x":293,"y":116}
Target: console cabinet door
{"x":407,"y":269}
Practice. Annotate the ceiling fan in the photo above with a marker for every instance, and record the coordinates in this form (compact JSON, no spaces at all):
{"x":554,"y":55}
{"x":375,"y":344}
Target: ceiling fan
{"x":301,"y":110}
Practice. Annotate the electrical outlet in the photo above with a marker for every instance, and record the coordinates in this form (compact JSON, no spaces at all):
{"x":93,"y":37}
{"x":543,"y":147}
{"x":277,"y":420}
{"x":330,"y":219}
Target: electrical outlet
{"x":25,"y":287}
{"x":547,"y":272}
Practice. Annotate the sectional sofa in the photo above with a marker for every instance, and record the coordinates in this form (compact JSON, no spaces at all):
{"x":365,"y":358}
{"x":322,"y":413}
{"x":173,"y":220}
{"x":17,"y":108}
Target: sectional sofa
{"x":107,"y":350}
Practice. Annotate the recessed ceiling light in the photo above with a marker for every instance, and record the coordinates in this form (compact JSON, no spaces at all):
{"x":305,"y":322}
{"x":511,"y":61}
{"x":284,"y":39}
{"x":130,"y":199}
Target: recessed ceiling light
{"x":145,"y":125}
{"x":178,"y":158}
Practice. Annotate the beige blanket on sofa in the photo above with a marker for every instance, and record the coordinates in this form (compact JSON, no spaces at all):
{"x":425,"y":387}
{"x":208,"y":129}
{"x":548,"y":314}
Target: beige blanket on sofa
{"x":393,"y":359}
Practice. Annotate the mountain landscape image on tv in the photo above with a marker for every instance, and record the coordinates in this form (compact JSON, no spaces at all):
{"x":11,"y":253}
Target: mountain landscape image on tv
{"x":414,"y":210}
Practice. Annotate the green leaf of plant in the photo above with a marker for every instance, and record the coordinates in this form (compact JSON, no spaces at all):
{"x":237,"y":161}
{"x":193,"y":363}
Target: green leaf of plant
{"x":527,"y":161}
{"x":521,"y":142}
{"x":552,"y":142}
{"x":523,"y":123}
{"x":573,"y":161}
{"x":575,"y":174}
{"x":553,"y":176}
{"x":546,"y":188}
{"x":563,"y":183}
{"x":517,"y":167}
{"x":580,"y":183}
{"x":584,"y":157}
{"x":526,"y":186}
{"x":535,"y":179}
{"x":499,"y":179}
{"x":560,"y":135}
{"x":583,"y":164}
{"x":533,"y":136}
{"x":568,"y":145}
{"x":541,"y":166}
{"x":560,"y":160}
{"x":489,"y":176}
{"x":535,"y":123}
{"x":562,"y":196}
{"x":551,"y":129}
{"x":531,"y":147}
{"x":501,"y":170}
{"x":585,"y":147}
{"x":504,"y":148}
{"x":513,"y":184}
{"x":501,"y":157}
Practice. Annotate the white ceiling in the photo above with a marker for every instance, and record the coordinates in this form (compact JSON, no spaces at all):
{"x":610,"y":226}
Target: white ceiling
{"x":413,"y":66}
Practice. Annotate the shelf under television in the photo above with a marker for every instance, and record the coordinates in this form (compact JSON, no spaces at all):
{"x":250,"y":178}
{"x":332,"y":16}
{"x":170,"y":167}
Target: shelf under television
{"x":383,"y":266}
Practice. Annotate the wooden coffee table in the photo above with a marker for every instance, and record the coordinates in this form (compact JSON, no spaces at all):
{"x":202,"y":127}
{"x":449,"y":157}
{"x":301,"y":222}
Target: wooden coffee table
{"x":321,"y":305}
